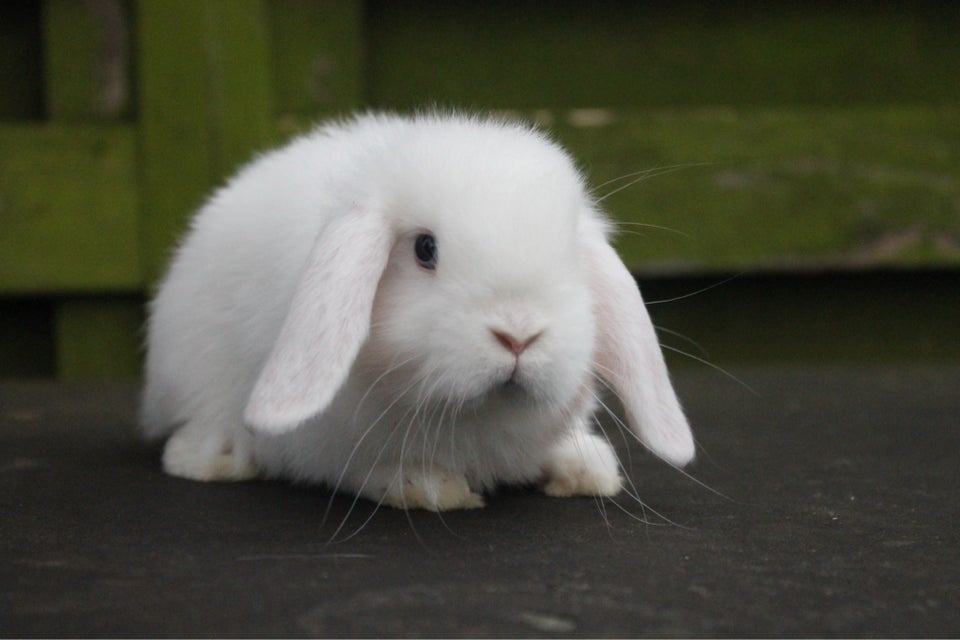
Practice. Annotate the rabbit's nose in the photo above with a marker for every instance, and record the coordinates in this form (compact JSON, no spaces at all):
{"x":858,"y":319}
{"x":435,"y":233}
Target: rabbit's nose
{"x":513,"y":344}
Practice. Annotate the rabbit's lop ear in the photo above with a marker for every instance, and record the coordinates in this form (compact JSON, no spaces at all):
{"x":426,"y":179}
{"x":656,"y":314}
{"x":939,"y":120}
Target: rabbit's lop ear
{"x":328,"y":321}
{"x":629,"y":358}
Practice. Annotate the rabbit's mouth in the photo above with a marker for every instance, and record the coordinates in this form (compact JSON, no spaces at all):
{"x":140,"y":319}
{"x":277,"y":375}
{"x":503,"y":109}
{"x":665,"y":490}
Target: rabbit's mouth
{"x":511,"y":379}
{"x":515,"y":386}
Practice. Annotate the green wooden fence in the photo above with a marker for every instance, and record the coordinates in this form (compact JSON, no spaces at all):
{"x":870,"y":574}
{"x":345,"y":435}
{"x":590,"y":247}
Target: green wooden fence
{"x":778,"y":137}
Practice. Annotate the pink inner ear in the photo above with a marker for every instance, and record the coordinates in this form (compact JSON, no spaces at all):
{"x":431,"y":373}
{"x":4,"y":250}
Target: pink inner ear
{"x":328,"y":321}
{"x":629,"y":357}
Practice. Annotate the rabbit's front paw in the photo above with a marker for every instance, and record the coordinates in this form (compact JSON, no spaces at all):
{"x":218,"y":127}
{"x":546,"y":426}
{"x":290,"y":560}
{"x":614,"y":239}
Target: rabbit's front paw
{"x":197,"y":454}
{"x":582,"y":464}
{"x":436,"y":490}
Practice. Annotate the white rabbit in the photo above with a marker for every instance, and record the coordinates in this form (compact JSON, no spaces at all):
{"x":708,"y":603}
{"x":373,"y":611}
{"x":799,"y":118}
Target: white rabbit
{"x":415,"y":310}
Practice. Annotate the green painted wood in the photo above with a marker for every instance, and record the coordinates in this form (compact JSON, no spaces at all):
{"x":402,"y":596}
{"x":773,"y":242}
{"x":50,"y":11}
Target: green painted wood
{"x":175,"y":153}
{"x":68,"y":209}
{"x":98,"y":337}
{"x":87,"y":53}
{"x":776,"y":189}
{"x":70,"y":42}
{"x":569,"y":53}
{"x":239,"y":89}
{"x":317,"y":56}
{"x":204,"y":106}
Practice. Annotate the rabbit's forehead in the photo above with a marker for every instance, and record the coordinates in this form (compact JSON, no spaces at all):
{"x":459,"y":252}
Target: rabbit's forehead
{"x":492,"y":190}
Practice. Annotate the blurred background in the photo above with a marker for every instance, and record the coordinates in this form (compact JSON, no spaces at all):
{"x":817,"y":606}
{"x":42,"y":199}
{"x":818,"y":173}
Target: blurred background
{"x":799,"y":199}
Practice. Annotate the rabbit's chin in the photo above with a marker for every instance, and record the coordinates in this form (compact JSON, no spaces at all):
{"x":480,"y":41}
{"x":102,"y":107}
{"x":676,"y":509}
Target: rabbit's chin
{"x":514,"y":390}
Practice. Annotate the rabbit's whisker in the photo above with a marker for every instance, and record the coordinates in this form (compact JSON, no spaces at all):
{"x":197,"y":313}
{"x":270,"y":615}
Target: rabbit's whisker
{"x":640,"y":176}
{"x":357,"y":496}
{"x":713,"y":366}
{"x":356,"y":447}
{"x":647,"y":225}
{"x":696,"y":345}
{"x":698,"y":291}
{"x":626,"y":469}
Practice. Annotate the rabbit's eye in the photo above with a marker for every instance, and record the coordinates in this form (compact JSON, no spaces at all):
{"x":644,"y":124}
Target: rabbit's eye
{"x":425,"y":248}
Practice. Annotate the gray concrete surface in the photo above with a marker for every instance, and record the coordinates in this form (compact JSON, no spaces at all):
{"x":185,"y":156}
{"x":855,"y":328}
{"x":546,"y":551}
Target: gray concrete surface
{"x":823,"y":504}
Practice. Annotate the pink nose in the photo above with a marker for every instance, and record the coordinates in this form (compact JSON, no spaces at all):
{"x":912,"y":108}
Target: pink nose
{"x":515,"y":345}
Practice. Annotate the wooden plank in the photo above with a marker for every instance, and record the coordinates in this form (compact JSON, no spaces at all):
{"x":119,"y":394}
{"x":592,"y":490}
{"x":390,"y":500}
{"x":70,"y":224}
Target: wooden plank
{"x":175,"y":153}
{"x":86,"y":76}
{"x":68,"y":209}
{"x":569,"y":53}
{"x":317,"y":56}
{"x":70,"y":47}
{"x":776,"y":189}
{"x":204,"y":106}
{"x":240,"y":102}
{"x":86,"y":66}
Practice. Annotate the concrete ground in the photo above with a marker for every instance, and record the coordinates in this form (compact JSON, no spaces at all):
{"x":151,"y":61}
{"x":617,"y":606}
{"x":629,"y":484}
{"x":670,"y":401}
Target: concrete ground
{"x":824,"y":503}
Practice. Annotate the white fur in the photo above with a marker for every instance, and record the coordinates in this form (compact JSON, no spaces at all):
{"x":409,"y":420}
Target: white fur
{"x":295,"y":307}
